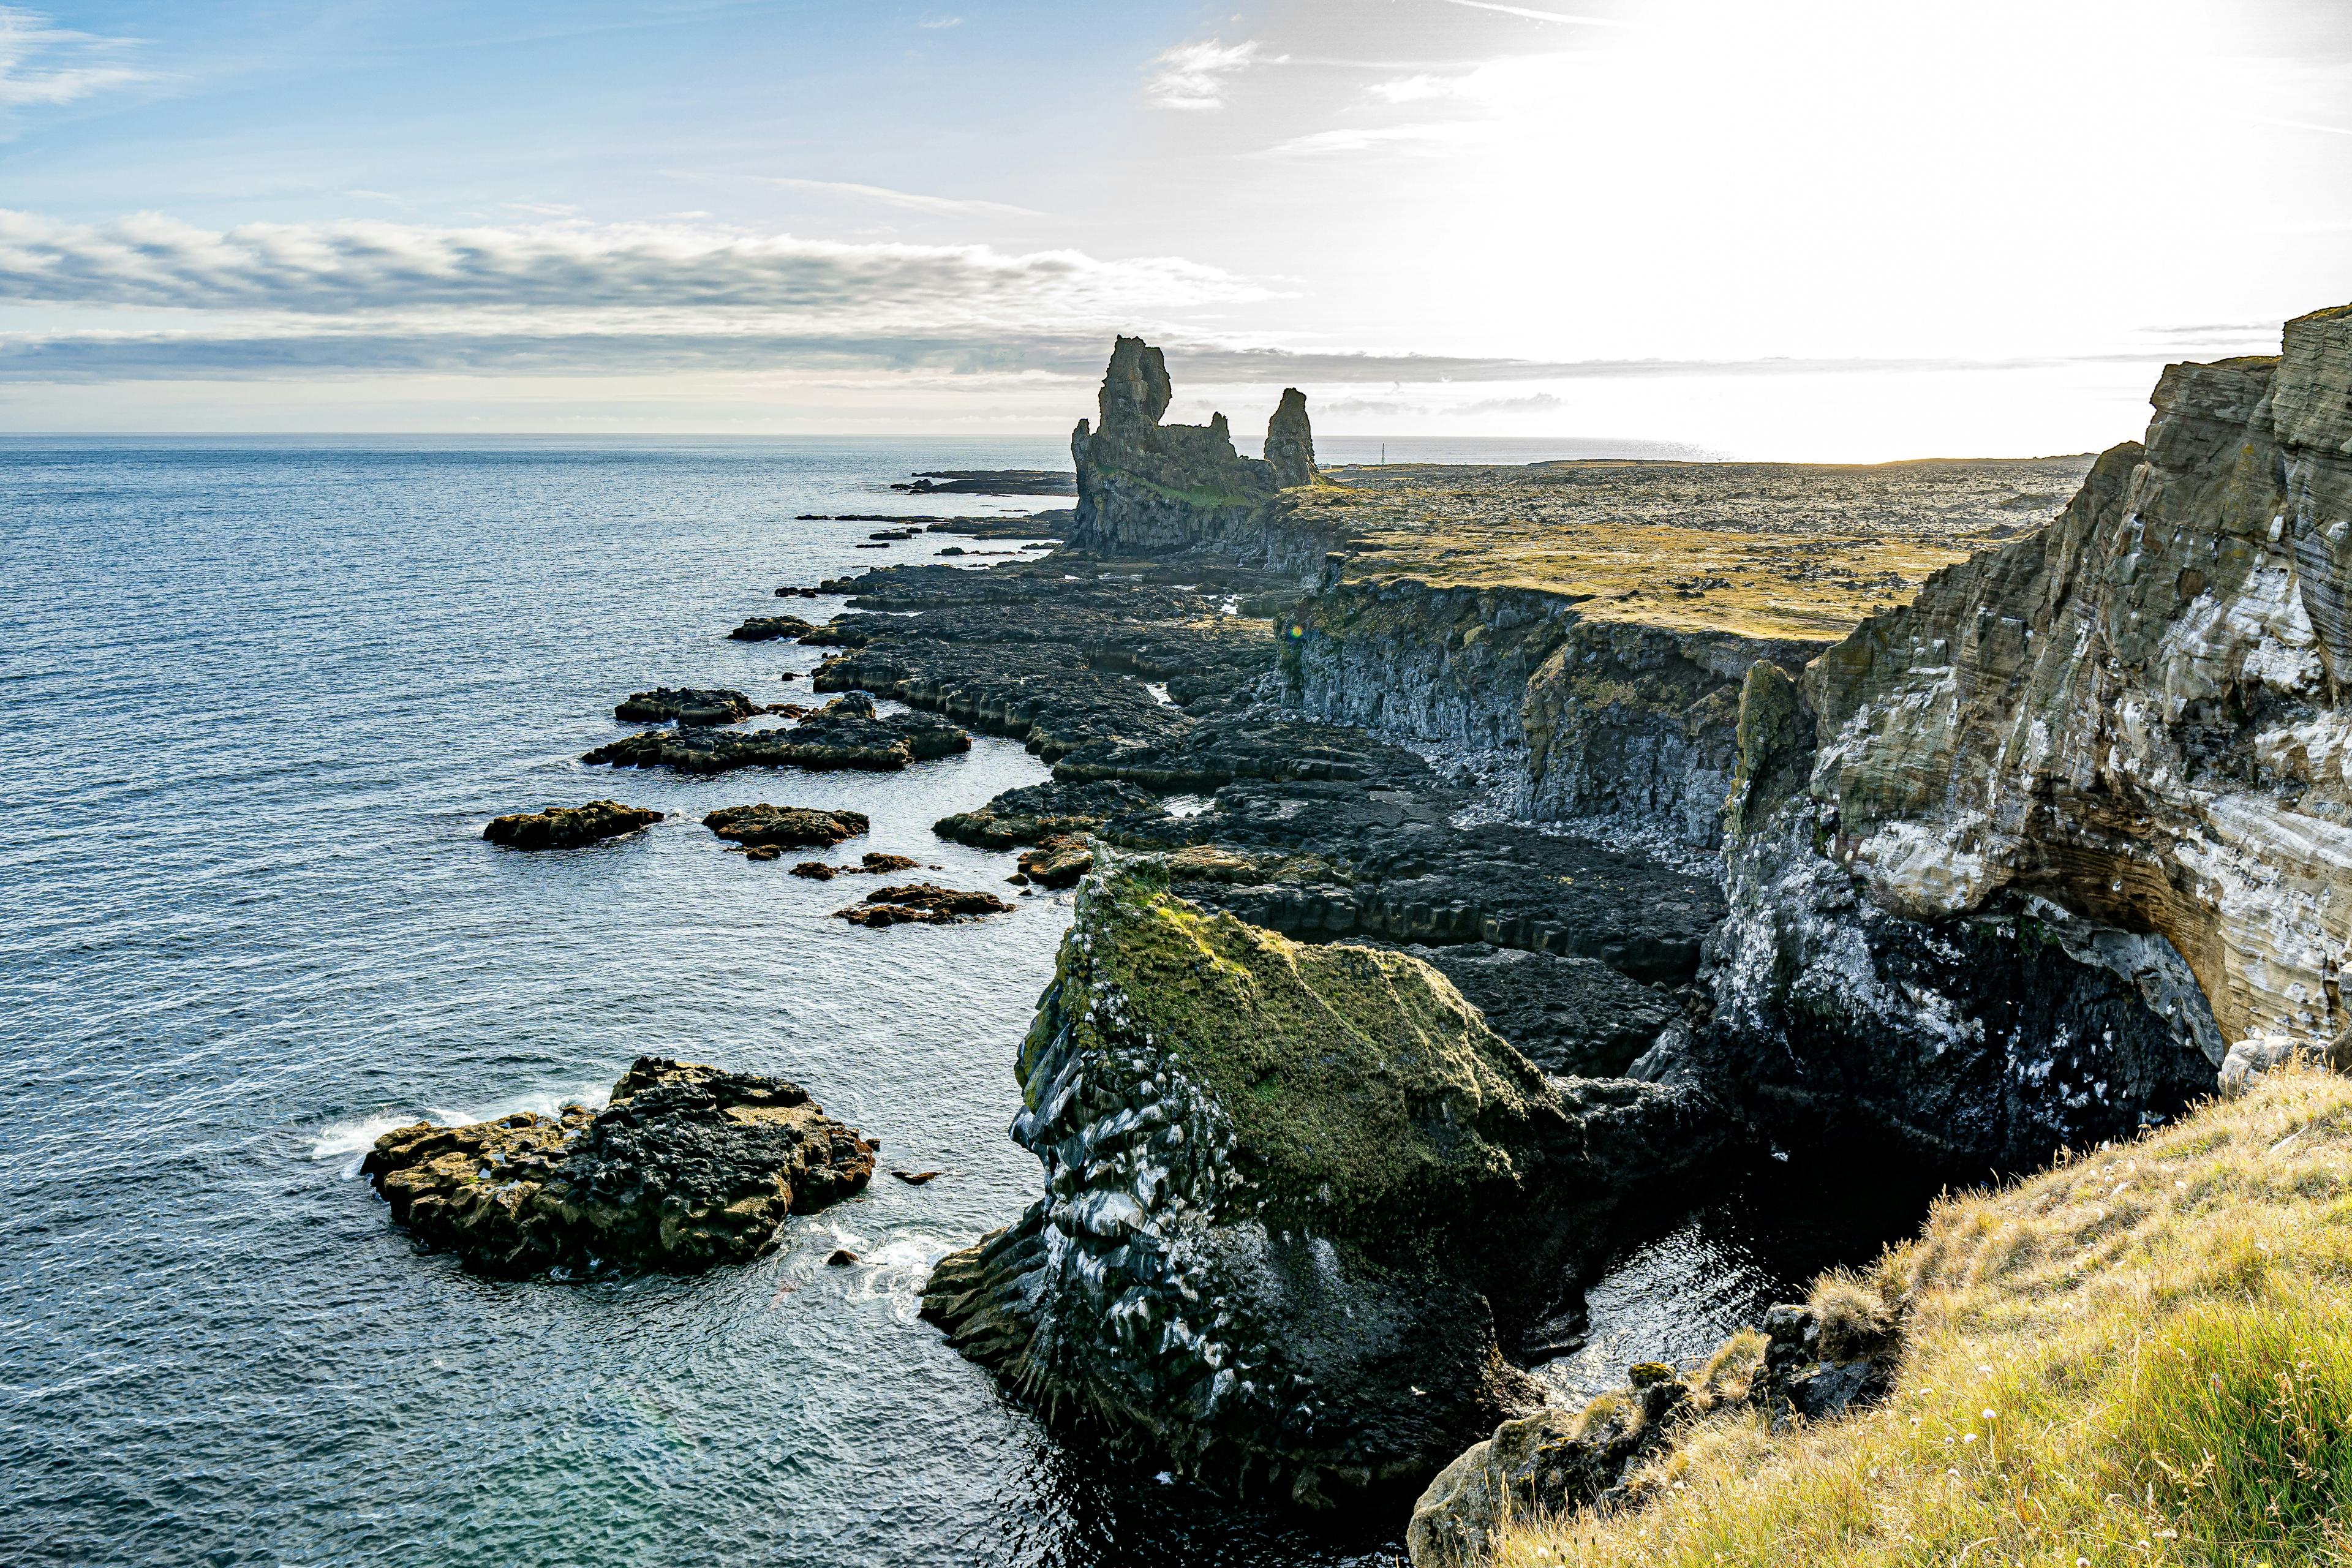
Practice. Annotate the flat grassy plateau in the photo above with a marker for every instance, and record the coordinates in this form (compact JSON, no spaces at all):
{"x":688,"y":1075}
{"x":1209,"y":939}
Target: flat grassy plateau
{"x":1767,"y":549}
{"x":2142,"y":1356}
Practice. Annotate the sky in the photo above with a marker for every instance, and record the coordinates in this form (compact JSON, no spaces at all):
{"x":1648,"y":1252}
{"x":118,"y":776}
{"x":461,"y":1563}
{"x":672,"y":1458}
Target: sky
{"x":1820,"y":230}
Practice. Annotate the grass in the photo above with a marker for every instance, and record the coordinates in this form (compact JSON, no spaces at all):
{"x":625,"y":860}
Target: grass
{"x":1764,"y":550}
{"x":2142,"y":1356}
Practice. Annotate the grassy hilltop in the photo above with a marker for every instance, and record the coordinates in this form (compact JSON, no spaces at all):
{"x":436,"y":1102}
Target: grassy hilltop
{"x":2142,"y":1356}
{"x":1766,"y":550}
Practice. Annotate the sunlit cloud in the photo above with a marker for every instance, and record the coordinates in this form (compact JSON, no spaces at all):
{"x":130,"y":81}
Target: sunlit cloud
{"x":1572,"y":18}
{"x":1432,"y":136}
{"x":1197,"y":76}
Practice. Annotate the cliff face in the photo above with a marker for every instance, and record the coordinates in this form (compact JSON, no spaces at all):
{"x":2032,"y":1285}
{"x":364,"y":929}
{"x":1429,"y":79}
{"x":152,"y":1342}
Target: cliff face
{"x":1602,"y":718}
{"x":2123,"y":738}
{"x":1146,"y":488}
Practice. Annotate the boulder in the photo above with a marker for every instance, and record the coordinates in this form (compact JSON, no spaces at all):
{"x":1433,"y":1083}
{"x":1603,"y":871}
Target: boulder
{"x":783,"y":825}
{"x":690,"y":1167}
{"x":568,"y":826}
{"x":920,"y":903}
{"x":1044,"y":811}
{"x":1301,"y":1203}
{"x":1057,"y":862}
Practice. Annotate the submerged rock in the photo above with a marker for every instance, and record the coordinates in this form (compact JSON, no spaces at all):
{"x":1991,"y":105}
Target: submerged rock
{"x":568,"y":826}
{"x":690,"y":1167}
{"x":783,"y":825}
{"x":920,"y":903}
{"x":1301,"y":1203}
{"x":844,"y":733}
{"x":688,"y":705}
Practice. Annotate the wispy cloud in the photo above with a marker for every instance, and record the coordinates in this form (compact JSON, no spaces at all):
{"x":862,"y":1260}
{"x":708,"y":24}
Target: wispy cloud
{"x":1418,"y":89}
{"x":1572,"y":18}
{"x":1431,"y":136}
{"x":935,"y":23}
{"x":1197,"y":76}
{"x":366,"y":267}
{"x":43,"y":64}
{"x":911,"y":200}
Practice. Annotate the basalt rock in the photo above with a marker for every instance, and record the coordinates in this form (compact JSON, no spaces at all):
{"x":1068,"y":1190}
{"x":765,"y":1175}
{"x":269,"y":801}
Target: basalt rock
{"x":686,"y":705}
{"x":1558,"y":1460}
{"x":568,"y":826}
{"x":845,"y":733}
{"x":783,"y":825}
{"x":689,"y":1167}
{"x":1057,"y":862}
{"x":1038,"y":812}
{"x":2049,"y":840}
{"x":1148,"y":489}
{"x":771,"y":628}
{"x":1301,"y":1203}
{"x":920,"y":903}
{"x":1568,"y":1015}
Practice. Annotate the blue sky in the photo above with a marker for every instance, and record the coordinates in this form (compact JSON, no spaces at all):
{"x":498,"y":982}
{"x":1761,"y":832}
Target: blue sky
{"x":1829,"y":228}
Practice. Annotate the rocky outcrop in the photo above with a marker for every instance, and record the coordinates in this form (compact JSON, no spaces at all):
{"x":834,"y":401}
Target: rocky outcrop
{"x":771,"y":628}
{"x":1290,"y":441}
{"x":846,"y":733}
{"x":686,"y":705}
{"x":1059,"y":862}
{"x":1558,"y":1460}
{"x":785,"y":826}
{"x":689,"y":1167}
{"x":1037,"y":812}
{"x":2019,"y":862}
{"x":568,"y":826}
{"x":1146,"y":489}
{"x":1302,"y":1206}
{"x":920,"y":903}
{"x":1569,"y":1015}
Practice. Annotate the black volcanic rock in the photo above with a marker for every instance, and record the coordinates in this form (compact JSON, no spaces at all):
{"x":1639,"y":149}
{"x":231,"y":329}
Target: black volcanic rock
{"x":690,"y":1167}
{"x":846,"y":733}
{"x":793,"y":826}
{"x":568,"y":826}
{"x":688,"y":705}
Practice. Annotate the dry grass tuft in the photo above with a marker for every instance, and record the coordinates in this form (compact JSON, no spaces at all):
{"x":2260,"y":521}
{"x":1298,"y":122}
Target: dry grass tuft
{"x":2141,"y":1356}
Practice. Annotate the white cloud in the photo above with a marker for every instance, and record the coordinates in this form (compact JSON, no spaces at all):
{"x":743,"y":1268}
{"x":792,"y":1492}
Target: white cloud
{"x":572,"y":276}
{"x":889,"y":197}
{"x":1196,"y":75}
{"x":934,"y":23}
{"x":41,"y":64}
{"x":1572,"y":18}
{"x":1418,"y":89}
{"x":1432,"y":136}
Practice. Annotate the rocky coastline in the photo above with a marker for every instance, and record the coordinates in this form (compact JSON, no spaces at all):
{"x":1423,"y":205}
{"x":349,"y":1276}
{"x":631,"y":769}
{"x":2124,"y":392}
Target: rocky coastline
{"x":1454,"y":899}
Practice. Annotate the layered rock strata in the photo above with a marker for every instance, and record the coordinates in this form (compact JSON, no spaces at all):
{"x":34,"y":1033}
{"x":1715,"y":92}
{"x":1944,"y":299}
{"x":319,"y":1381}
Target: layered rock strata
{"x":568,"y":826}
{"x":2019,"y":864}
{"x":688,"y":1167}
{"x":1301,"y":1202}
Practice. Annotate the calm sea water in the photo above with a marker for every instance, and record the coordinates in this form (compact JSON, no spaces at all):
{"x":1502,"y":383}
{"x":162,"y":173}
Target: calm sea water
{"x":262,"y":697}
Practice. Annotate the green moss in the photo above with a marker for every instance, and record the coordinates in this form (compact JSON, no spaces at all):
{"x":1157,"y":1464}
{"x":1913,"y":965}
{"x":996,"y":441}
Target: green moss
{"x":1360,"y":1085}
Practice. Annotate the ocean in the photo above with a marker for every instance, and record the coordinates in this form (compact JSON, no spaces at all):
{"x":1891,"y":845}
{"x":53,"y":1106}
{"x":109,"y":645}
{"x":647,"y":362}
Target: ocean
{"x":263,"y":697}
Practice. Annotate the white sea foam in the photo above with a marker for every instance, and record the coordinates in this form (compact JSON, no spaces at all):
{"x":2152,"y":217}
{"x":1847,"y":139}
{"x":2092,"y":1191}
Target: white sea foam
{"x":351,"y":1140}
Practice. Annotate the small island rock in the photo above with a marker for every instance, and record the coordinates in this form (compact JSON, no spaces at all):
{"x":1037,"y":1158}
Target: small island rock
{"x":568,"y":826}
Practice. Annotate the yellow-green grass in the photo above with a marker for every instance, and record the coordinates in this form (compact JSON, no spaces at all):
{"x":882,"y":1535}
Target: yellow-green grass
{"x":2142,"y":1356}
{"x":1767,"y":549}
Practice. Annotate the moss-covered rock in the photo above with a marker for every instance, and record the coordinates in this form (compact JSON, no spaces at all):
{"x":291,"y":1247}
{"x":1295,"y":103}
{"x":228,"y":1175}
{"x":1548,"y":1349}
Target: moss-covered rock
{"x":1301,"y":1202}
